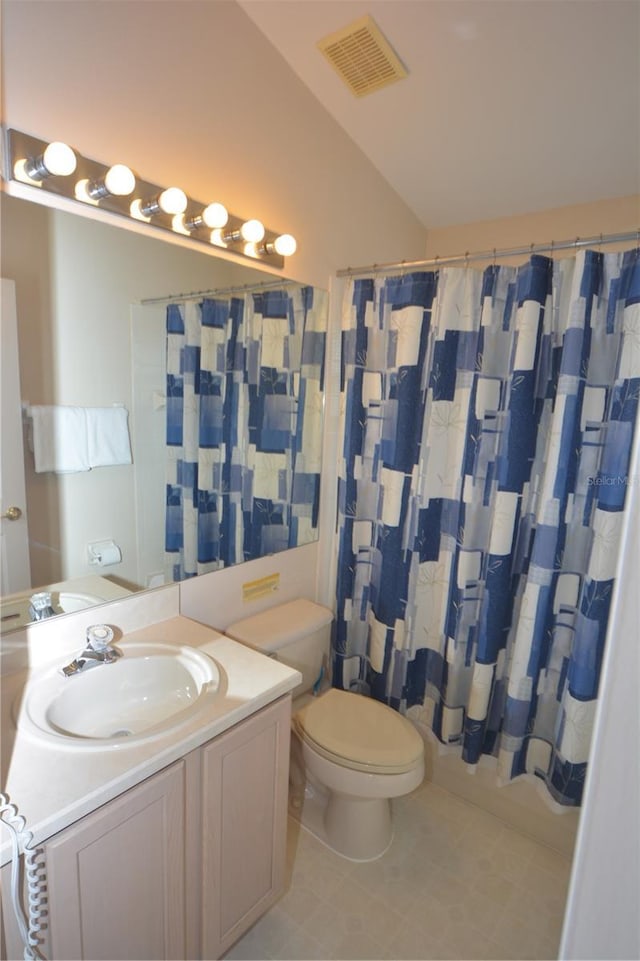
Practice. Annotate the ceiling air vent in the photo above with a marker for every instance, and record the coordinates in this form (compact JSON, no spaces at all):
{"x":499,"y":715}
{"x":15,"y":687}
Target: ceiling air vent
{"x":362,"y":56}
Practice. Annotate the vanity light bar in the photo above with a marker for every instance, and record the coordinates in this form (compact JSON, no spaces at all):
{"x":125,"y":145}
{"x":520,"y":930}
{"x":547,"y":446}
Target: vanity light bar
{"x":117,"y":189}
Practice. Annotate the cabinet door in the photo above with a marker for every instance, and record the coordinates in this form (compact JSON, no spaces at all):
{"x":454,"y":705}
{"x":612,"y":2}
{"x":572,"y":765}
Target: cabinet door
{"x":116,"y":878}
{"x":244,"y":817}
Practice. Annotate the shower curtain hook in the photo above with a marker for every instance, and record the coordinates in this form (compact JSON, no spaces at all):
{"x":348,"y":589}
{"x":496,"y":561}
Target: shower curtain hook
{"x":466,"y":259}
{"x":494,"y":258}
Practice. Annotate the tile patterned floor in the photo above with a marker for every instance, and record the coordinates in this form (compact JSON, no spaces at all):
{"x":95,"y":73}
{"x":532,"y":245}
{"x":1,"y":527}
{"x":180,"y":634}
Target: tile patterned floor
{"x":457,"y":883}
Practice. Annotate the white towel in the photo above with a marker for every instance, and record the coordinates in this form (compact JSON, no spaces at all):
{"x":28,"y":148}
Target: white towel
{"x":107,"y":436}
{"x":69,"y":439}
{"x":59,"y":439}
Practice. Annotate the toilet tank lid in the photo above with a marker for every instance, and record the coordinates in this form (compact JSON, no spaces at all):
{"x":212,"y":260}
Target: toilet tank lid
{"x":280,"y":625}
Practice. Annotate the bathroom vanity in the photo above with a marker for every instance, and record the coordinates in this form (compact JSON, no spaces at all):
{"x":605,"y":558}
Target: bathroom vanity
{"x":172,"y":846}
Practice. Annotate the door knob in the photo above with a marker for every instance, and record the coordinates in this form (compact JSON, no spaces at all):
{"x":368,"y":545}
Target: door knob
{"x":12,"y":514}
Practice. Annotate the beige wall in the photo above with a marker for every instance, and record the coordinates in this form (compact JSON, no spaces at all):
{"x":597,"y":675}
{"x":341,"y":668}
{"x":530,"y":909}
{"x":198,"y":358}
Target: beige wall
{"x":192,"y":94}
{"x":617,"y":215}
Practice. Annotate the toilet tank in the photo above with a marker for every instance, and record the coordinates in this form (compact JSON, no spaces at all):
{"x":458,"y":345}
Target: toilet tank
{"x":297,"y":633}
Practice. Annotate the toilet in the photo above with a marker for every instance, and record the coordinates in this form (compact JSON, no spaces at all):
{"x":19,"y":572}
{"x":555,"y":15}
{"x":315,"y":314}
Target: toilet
{"x":350,"y":754}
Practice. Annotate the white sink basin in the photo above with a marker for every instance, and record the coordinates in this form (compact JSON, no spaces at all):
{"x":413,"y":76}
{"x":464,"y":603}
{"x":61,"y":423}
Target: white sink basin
{"x":151,"y":689}
{"x":14,"y":612}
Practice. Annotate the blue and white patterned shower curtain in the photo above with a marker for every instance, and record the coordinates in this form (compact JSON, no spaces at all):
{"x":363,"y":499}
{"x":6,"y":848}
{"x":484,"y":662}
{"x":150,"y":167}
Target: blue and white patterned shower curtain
{"x":244,"y":421}
{"x":488,"y":422}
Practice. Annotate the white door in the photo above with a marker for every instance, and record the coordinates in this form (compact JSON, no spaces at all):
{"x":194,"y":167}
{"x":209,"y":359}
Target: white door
{"x":14,"y":541}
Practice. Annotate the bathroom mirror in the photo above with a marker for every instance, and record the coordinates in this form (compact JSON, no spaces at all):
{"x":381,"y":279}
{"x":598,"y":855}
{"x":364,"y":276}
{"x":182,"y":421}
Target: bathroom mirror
{"x":92,"y":305}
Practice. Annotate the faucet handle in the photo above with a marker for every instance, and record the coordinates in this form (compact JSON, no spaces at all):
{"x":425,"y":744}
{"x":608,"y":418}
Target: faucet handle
{"x":99,"y":637}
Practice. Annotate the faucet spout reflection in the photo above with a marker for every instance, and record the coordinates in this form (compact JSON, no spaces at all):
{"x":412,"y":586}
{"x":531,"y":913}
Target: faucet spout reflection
{"x":41,"y":606}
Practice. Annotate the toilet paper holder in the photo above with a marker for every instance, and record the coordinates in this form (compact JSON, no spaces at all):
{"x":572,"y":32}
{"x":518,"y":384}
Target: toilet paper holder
{"x":104,"y":553}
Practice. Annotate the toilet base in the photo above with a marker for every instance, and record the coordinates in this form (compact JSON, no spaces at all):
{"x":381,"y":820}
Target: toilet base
{"x":358,"y":829}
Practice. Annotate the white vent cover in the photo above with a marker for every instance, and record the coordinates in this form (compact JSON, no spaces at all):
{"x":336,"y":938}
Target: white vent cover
{"x":362,"y":56}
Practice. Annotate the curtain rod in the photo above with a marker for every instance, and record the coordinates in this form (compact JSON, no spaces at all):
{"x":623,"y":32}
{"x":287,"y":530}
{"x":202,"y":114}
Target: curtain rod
{"x":493,"y":254}
{"x":220,"y":291}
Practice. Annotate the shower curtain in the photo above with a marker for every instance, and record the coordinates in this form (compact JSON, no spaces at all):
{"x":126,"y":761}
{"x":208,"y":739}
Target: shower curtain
{"x":244,"y":421}
{"x":487,"y":425}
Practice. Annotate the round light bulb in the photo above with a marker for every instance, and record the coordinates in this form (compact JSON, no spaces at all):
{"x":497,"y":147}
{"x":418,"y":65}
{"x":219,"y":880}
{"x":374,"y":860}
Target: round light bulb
{"x":177,"y":224}
{"x":252,"y":231}
{"x":135,"y":209}
{"x":81,"y":192}
{"x":215,"y":216}
{"x":59,"y":159}
{"x":20,"y":172}
{"x":173,"y":201}
{"x":119,"y":180}
{"x":217,"y":237}
{"x":285,"y":245}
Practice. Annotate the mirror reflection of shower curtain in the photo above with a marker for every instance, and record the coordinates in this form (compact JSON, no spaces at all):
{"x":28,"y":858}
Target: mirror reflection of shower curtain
{"x":244,"y":422}
{"x":488,"y":422}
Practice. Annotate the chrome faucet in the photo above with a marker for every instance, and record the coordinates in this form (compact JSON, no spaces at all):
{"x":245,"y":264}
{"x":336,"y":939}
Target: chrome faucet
{"x":40,"y":606}
{"x":97,"y":651}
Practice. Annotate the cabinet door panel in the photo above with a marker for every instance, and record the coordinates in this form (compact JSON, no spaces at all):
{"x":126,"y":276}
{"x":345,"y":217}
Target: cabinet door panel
{"x":116,"y":878}
{"x":245,"y":784}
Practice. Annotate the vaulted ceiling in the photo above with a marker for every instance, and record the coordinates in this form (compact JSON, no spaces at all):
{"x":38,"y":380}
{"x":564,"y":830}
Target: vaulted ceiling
{"x":509,"y":106}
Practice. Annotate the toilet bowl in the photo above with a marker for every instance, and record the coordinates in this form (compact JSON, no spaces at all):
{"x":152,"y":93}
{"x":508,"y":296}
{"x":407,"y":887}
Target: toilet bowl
{"x":357,"y":755}
{"x":350,"y":754}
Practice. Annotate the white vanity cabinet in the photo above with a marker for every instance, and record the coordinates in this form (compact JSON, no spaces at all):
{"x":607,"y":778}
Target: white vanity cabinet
{"x":245,"y":782}
{"x":116,"y":878}
{"x":182,"y":864}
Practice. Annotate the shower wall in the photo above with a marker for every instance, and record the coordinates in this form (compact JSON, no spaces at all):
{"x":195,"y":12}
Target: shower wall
{"x":561,"y":223}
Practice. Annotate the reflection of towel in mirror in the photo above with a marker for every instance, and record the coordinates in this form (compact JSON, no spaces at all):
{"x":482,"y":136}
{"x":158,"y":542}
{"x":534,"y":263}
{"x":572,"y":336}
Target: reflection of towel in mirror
{"x":70,"y":439}
{"x":59,"y":439}
{"x":107,"y":436}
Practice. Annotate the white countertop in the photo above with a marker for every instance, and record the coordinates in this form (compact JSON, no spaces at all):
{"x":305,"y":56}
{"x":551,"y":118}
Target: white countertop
{"x":54,"y":786}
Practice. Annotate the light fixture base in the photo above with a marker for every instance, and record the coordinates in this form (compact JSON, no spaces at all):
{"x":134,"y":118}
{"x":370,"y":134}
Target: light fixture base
{"x":21,"y":147}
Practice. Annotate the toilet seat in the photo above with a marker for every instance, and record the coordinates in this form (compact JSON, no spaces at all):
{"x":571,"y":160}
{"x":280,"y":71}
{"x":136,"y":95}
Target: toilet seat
{"x":359,"y":733}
